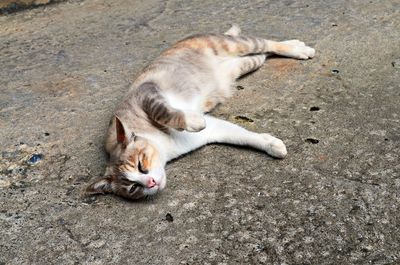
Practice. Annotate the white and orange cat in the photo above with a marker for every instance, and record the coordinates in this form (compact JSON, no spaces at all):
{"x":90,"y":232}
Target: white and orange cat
{"x":163,"y":115}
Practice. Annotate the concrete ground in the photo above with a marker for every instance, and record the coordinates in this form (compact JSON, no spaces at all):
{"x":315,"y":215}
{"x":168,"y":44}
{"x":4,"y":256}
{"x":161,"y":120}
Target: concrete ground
{"x":334,"y":200}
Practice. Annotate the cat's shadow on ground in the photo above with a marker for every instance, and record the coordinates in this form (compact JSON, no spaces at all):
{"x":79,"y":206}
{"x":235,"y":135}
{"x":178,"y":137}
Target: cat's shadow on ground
{"x":269,"y":57}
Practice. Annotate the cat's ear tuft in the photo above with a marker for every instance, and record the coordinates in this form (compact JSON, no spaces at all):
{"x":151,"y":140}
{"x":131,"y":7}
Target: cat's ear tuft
{"x":121,"y":133}
{"x":101,"y":186}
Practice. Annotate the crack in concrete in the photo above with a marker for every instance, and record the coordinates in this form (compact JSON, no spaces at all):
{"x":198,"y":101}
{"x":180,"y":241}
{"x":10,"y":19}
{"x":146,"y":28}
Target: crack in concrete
{"x":147,"y":22}
{"x":71,"y":236}
{"x":160,"y":13}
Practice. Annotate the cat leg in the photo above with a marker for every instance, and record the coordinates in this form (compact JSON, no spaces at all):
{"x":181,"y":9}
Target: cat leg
{"x":234,"y":67}
{"x":221,"y":131}
{"x":230,"y":44}
{"x":239,"y":66}
{"x":161,"y":112}
{"x":165,"y":115}
{"x":293,"y":48}
{"x":244,"y":45}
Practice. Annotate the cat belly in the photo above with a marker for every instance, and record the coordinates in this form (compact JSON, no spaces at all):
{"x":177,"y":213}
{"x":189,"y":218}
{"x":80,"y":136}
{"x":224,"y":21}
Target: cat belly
{"x":190,"y":103}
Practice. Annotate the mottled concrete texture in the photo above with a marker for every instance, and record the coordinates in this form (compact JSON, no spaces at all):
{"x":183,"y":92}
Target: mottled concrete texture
{"x":334,"y":200}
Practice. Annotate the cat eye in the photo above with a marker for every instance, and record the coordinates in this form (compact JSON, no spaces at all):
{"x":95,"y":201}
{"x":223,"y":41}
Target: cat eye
{"x":141,"y":170}
{"x":134,"y":187}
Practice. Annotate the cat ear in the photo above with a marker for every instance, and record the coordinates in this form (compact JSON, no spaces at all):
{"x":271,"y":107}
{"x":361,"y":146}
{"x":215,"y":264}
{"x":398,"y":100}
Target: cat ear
{"x":121,"y":133}
{"x":122,"y":136}
{"x":101,"y":186}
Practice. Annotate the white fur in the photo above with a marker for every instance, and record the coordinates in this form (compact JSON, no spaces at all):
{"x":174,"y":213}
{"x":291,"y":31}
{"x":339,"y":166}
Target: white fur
{"x":233,"y":31}
{"x":158,"y":174}
{"x":299,"y":50}
{"x":217,"y":131}
{"x":195,"y":121}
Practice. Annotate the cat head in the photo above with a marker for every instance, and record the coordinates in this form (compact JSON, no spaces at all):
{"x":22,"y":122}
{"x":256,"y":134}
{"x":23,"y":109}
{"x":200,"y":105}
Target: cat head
{"x":135,"y":171}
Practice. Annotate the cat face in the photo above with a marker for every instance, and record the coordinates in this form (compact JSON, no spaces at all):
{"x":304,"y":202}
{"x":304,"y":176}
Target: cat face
{"x":135,"y":169}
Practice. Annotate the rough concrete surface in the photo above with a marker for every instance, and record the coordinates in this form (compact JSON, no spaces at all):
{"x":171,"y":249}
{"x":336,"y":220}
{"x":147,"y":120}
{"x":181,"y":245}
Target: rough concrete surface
{"x":334,"y":200}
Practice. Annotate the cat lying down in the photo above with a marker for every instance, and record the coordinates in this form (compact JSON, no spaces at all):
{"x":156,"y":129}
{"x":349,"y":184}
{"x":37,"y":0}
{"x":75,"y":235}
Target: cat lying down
{"x":163,"y":115}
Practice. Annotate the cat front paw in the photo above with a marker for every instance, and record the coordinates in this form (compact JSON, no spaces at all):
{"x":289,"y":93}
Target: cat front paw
{"x":299,"y":50}
{"x":194,"y":122}
{"x":274,"y":146}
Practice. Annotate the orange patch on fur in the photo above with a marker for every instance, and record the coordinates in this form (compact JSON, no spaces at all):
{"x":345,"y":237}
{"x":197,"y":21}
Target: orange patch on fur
{"x":171,"y":51}
{"x":242,"y":48}
{"x":194,"y":44}
{"x":133,"y":158}
{"x":210,"y":44}
{"x":146,"y":163}
{"x":209,"y":105}
{"x":197,"y":44}
{"x":281,"y":48}
{"x":225,"y":46}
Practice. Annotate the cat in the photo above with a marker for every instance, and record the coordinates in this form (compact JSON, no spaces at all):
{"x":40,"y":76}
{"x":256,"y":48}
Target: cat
{"x":165,"y":113}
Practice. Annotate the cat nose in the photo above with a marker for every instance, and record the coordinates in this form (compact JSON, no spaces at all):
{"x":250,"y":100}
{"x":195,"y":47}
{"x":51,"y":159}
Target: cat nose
{"x":151,"y":183}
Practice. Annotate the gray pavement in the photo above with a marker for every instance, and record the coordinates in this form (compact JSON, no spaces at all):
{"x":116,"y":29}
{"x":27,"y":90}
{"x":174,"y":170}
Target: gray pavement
{"x":334,"y":200}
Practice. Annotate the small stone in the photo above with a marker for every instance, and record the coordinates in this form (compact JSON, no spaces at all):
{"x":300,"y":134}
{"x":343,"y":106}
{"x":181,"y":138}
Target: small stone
{"x":89,"y":199}
{"x":5,"y":183}
{"x":335,"y":71}
{"x":259,"y":248}
{"x":22,"y":146}
{"x":367,"y":248}
{"x":11,"y":168}
{"x":97,"y":244}
{"x":241,"y":118}
{"x":314,"y":108}
{"x":312,"y":141}
{"x":169,"y":217}
{"x":396,"y":63}
{"x":35,"y":158}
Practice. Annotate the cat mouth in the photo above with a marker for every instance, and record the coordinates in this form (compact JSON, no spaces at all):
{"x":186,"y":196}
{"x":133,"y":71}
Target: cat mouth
{"x":151,"y":191}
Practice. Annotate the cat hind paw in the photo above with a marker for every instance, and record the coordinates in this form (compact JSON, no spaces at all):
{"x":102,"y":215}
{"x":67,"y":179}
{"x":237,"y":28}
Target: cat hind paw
{"x":300,"y":50}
